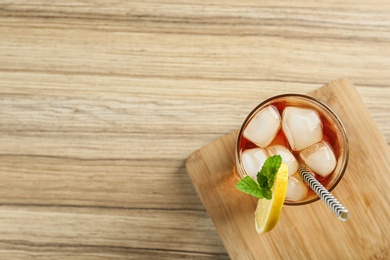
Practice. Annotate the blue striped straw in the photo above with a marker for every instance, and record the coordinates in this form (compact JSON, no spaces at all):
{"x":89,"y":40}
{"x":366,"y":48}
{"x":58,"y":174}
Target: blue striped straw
{"x":338,"y":209}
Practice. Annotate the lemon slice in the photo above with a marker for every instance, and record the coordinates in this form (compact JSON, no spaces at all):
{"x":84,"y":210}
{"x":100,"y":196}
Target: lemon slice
{"x":268,"y":211}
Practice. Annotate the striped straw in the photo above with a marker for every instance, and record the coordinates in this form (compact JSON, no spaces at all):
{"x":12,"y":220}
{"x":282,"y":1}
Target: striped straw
{"x":338,"y":209}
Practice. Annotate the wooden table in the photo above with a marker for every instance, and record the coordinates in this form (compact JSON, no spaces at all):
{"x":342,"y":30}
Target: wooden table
{"x":102,"y":102}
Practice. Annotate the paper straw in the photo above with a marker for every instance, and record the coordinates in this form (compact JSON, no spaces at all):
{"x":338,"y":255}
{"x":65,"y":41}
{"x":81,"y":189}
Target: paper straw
{"x":338,"y":209}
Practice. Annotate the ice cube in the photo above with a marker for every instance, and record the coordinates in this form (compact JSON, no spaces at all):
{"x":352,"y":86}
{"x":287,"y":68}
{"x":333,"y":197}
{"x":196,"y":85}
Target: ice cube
{"x":253,"y":160}
{"x":302,"y":127}
{"x":263,"y":128}
{"x":319,"y":158}
{"x":296,"y":189}
{"x":287,"y":157}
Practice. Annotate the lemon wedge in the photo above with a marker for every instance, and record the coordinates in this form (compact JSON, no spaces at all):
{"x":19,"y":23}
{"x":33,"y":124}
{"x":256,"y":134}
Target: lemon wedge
{"x":268,"y":211}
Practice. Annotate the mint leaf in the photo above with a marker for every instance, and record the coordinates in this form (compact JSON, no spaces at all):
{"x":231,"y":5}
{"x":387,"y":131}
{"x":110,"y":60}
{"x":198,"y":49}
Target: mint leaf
{"x":249,"y":186}
{"x":268,"y":171}
{"x":267,"y":193}
{"x":265,"y":179}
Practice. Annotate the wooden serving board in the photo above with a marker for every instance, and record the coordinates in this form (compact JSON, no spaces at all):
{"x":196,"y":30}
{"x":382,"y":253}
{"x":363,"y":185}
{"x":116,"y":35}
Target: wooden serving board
{"x":310,"y":231}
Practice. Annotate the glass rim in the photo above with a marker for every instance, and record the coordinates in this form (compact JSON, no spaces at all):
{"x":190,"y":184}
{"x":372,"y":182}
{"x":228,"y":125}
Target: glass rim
{"x":344,"y":139}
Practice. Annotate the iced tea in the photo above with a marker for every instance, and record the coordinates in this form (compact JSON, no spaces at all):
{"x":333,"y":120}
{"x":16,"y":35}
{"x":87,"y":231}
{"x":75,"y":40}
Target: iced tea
{"x":301,"y":130}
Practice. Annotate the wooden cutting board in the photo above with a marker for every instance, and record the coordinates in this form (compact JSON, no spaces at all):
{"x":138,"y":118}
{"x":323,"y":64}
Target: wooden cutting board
{"x":311,"y":231}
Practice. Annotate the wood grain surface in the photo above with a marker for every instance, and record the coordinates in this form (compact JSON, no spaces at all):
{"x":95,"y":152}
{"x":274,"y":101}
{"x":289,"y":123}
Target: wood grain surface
{"x":101,"y":102}
{"x":310,"y":231}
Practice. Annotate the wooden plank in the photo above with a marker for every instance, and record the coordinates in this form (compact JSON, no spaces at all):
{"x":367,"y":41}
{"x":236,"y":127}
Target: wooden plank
{"x":255,"y":41}
{"x":45,"y":228}
{"x":306,"y":231}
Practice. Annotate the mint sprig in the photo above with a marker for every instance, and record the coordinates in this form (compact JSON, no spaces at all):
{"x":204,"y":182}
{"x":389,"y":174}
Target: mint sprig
{"x":265,"y":179}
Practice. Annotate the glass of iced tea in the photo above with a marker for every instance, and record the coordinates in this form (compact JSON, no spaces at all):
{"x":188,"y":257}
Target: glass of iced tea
{"x":303,"y":131}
